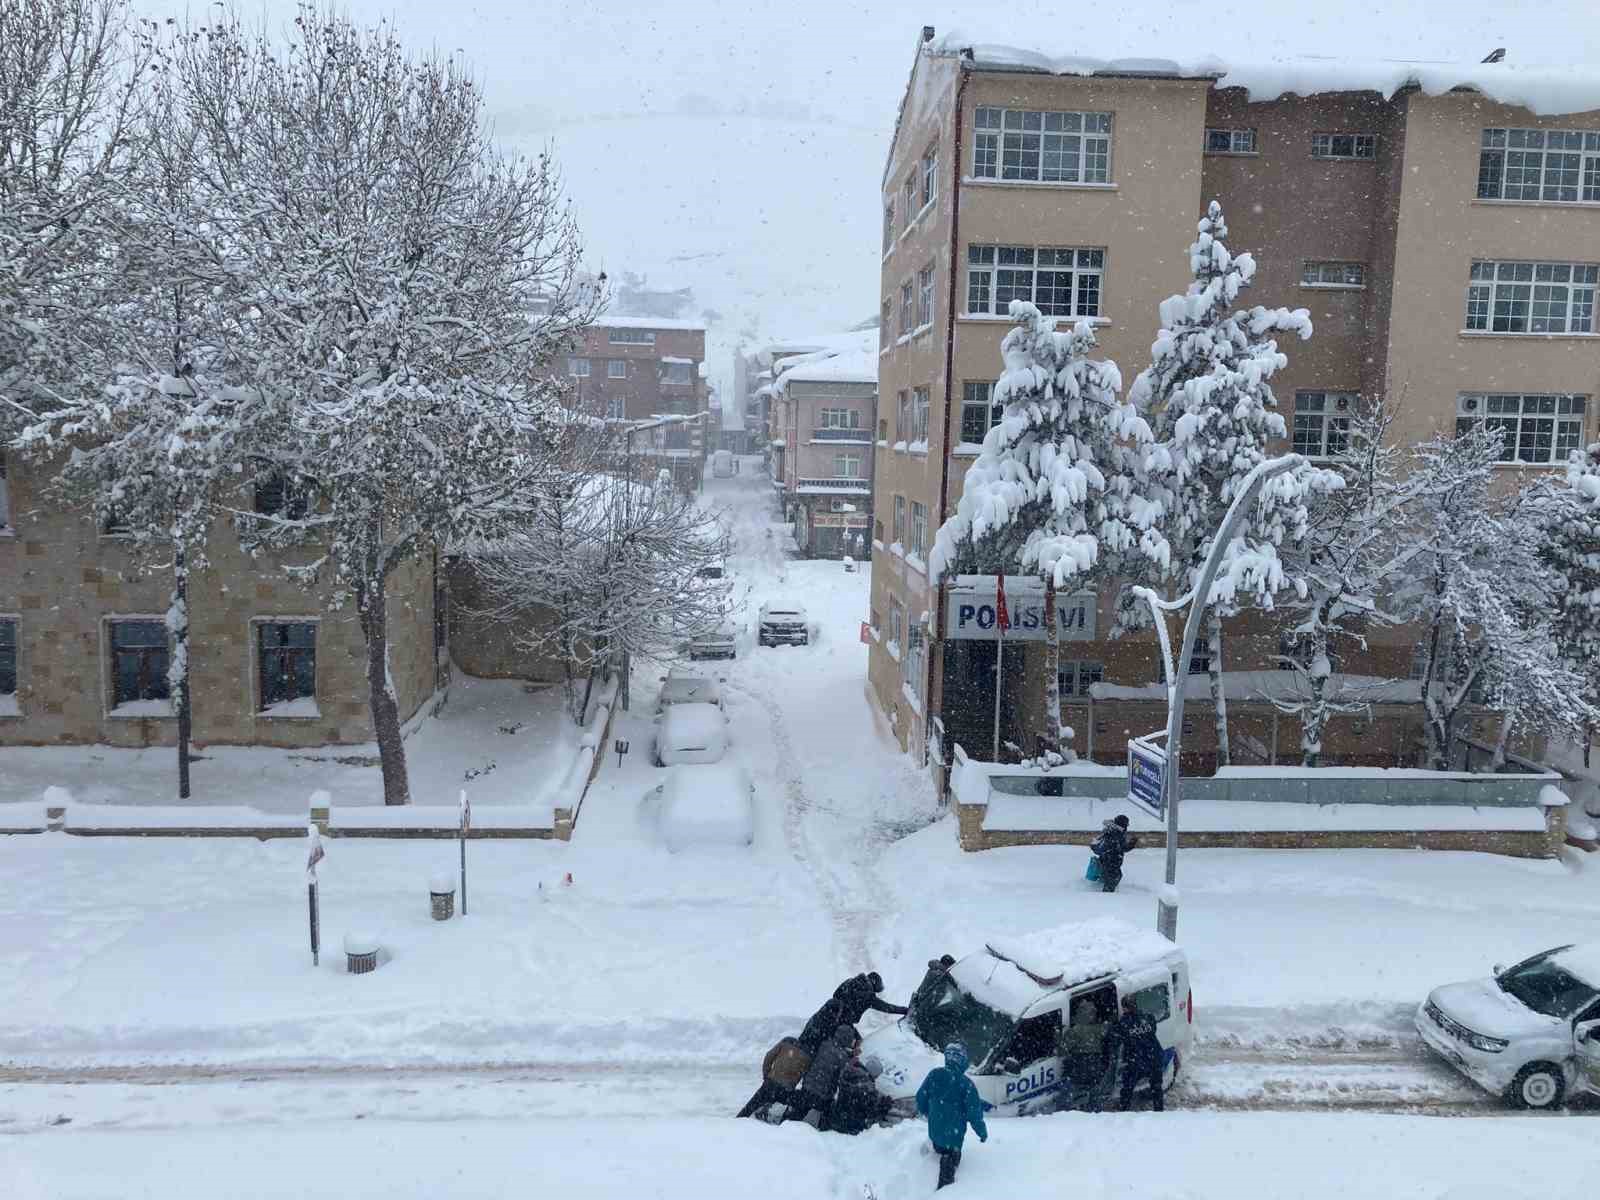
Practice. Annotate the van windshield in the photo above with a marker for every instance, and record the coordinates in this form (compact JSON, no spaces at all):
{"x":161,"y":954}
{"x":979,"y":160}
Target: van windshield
{"x":944,"y":1013}
{"x":1545,"y":987}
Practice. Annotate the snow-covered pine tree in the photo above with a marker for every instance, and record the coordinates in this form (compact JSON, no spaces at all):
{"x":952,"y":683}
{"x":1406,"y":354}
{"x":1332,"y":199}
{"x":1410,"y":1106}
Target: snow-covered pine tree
{"x":1208,"y":396}
{"x":1053,"y":485}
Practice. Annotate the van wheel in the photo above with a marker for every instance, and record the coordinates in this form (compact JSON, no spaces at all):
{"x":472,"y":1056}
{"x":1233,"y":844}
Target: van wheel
{"x":1538,"y":1086}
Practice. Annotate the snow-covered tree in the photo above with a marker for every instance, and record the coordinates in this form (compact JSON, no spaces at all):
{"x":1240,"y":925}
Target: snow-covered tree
{"x":1483,"y":597}
{"x":391,"y":365}
{"x":1208,"y":396}
{"x":1053,"y":486}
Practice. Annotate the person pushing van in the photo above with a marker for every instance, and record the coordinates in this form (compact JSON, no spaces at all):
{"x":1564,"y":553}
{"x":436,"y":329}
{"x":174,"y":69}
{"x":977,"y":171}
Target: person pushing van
{"x":1133,"y":1034}
{"x":951,"y":1102}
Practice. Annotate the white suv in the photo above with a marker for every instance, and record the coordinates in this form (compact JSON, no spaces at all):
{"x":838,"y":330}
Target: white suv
{"x":1529,"y":1033}
{"x":782,"y":622}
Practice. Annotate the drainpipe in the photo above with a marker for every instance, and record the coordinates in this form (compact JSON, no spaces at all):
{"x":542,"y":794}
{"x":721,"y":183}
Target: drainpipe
{"x":936,"y":661}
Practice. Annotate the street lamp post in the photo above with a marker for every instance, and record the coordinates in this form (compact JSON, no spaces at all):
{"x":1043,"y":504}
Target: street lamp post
{"x":1177,"y":672}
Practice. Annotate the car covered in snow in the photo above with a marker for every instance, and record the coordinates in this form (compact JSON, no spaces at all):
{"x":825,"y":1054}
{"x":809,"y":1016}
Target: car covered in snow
{"x":1019,"y":1004}
{"x":691,"y":733}
{"x":683,"y":687}
{"x":709,"y":804}
{"x":1530,"y":1033}
{"x":721,"y":642}
{"x":782,"y":622}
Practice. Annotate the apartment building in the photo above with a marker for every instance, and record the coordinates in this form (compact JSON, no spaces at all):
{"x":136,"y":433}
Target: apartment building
{"x":1445,"y":242}
{"x":824,"y":409}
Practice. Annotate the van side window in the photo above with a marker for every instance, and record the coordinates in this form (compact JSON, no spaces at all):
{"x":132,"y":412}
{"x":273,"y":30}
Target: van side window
{"x":1154,"y":1002}
{"x":1035,"y":1038}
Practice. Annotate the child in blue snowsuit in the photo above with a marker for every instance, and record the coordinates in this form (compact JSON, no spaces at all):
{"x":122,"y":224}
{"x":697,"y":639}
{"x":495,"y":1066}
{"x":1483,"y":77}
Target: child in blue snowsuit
{"x":950,"y":1102}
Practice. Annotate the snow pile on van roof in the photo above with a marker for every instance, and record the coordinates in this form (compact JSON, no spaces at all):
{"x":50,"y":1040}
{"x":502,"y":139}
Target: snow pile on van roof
{"x":1082,"y":950}
{"x":1583,"y":961}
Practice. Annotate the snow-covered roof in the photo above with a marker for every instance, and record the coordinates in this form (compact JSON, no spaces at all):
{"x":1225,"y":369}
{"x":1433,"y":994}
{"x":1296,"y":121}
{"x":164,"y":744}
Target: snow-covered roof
{"x":827,"y":367}
{"x":1583,"y":961}
{"x":1271,"y":685}
{"x":670,"y":358}
{"x":614,"y":321}
{"x":838,"y":343}
{"x":1013,"y":972}
{"x":1545,"y":90}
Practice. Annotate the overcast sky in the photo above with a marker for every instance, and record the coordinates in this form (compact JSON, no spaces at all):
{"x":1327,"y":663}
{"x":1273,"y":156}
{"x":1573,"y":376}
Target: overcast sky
{"x":737,"y":147}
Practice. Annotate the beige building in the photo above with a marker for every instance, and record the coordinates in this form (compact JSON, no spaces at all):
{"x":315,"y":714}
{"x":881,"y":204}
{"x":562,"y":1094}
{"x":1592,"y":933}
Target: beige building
{"x":824,"y":409}
{"x":1445,"y":245}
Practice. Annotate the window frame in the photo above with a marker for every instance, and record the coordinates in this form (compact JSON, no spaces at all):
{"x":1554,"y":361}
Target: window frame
{"x":907,"y":312}
{"x":1568,"y":415}
{"x":1333,"y":406}
{"x":888,"y":226}
{"x":971,"y":400}
{"x":1242,"y":141}
{"x":930,"y":175}
{"x":899,"y":526}
{"x":5,"y":497}
{"x":1339,"y":267}
{"x":850,"y":460}
{"x":988,"y":263}
{"x":147,"y":654}
{"x":10,"y":657}
{"x":1200,"y":657}
{"x":902,"y":423}
{"x":1492,"y":300}
{"x":1325,"y":146}
{"x":668,"y":369}
{"x":611,"y":368}
{"x":622,"y":336}
{"x":992,"y":146}
{"x":921,"y":407}
{"x":577,"y":361}
{"x":616,"y":408}
{"x":287,"y":653}
{"x":1079,"y":671}
{"x":925,"y":296}
{"x":918,"y":544}
{"x":1497,"y":145}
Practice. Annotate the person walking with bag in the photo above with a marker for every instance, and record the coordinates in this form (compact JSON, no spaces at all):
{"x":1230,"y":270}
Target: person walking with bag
{"x":950,"y":1101}
{"x":1110,"y":848}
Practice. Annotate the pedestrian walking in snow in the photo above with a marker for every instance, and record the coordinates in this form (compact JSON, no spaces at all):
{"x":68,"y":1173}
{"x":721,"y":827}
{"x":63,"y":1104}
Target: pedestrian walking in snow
{"x":821,"y":1079}
{"x":950,"y":1101}
{"x":781,"y":1071}
{"x":1133,"y":1035}
{"x":1110,"y":848}
{"x":858,"y":1103}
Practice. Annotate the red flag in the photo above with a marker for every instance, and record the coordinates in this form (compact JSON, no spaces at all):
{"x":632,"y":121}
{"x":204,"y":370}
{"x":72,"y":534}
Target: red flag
{"x":1002,"y":619}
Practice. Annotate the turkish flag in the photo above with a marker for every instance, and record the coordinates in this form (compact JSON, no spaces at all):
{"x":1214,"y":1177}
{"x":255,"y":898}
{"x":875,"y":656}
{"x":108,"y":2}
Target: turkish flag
{"x":1002,"y":619}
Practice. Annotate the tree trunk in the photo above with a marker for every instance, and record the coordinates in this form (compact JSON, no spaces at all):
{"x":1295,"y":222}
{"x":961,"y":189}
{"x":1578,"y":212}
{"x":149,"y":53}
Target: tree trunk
{"x":178,"y":682}
{"x":1499,"y":759}
{"x":373,"y":601}
{"x":1219,"y":699}
{"x":1052,"y":672}
{"x":1315,"y":717}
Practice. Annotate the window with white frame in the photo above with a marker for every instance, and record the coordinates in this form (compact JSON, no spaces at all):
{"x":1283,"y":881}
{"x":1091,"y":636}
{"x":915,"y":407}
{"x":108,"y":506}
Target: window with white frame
{"x":1322,"y":423}
{"x":1200,"y":656}
{"x":886,"y":323}
{"x":1561,"y":165}
{"x":907,"y":311}
{"x":930,"y":175}
{"x":1330,"y":273}
{"x":916,"y":646}
{"x":616,"y":368}
{"x":847,"y":466}
{"x":925,"y":296}
{"x":1076,"y":677}
{"x":577,"y":366}
{"x":5,"y":495}
{"x":900,"y":519}
{"x":919,"y":528}
{"x":902,"y":426}
{"x":888,"y":224}
{"x":616,"y":407}
{"x":139,"y":657}
{"x":1230,"y":141}
{"x":8,"y":662}
{"x":631,"y":337}
{"x":908,"y":196}
{"x":979,"y":412}
{"x":838,"y":418}
{"x":1531,"y":297}
{"x":680,"y":373}
{"x":919,"y":414}
{"x":1028,"y":145}
{"x":897,"y":622}
{"x":1344,"y":145}
{"x":1062,"y":281}
{"x":1537,"y":427}
{"x":287,"y":665}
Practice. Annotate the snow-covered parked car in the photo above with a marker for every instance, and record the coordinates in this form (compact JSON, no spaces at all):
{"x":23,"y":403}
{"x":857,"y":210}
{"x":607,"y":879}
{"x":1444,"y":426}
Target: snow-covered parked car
{"x":682,"y":687}
{"x":705,"y":805}
{"x":721,"y":642}
{"x":783,"y":622}
{"x":1530,"y":1033}
{"x":691,"y":733}
{"x":1018,"y":1002}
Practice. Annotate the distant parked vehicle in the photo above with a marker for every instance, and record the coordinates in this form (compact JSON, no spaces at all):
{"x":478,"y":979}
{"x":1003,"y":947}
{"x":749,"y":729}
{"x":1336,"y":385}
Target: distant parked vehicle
{"x":722,"y":464}
{"x":1530,"y":1033}
{"x":783,"y":622}
{"x":710,"y":805}
{"x":680,"y":687}
{"x":691,"y":733}
{"x":721,"y":642}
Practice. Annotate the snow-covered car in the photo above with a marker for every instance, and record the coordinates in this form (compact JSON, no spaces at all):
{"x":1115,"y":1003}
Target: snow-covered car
{"x":783,"y":623}
{"x":721,"y":642}
{"x":1016,"y":1001}
{"x":680,"y":687}
{"x":705,"y":805}
{"x":1530,"y":1033}
{"x":691,"y":733}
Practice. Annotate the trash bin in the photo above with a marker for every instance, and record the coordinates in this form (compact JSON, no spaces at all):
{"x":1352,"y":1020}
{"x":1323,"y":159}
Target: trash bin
{"x":360,"y":954}
{"x":442,"y":891}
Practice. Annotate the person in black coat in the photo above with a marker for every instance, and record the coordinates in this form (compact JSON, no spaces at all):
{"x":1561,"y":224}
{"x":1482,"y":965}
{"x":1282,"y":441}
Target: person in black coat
{"x":858,"y":1103}
{"x":822,"y":1076}
{"x":820,"y":1027}
{"x":1133,"y":1035}
{"x":859,"y":993}
{"x":1110,"y":848}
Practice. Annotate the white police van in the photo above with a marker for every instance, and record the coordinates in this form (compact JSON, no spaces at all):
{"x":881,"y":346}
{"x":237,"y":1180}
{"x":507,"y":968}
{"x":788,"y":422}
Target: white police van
{"x":1015,"y":1003}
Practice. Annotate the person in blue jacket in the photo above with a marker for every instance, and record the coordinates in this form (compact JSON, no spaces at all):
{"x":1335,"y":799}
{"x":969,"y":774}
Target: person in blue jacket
{"x":950,"y":1102}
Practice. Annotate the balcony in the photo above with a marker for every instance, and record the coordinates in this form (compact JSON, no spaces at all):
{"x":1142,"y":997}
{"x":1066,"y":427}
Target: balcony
{"x":833,"y":487}
{"x":863,"y":436}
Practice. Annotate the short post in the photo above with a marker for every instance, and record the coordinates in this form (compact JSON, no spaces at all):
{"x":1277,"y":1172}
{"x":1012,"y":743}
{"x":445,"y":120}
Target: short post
{"x":313,"y":857}
{"x":621,"y":747}
{"x":466,"y":822}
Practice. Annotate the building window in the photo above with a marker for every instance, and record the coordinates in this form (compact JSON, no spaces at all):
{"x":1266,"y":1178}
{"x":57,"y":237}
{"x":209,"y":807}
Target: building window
{"x":1322,"y":423}
{"x":906,"y":310}
{"x":839,"y":418}
{"x":8,"y":664}
{"x":919,"y":528}
{"x":1042,"y":147}
{"x":877,"y":534}
{"x":902,"y":427}
{"x":847,"y":466}
{"x":288,"y":663}
{"x":1295,"y":649}
{"x":883,"y":429}
{"x":5,"y":495}
{"x":276,"y":495}
{"x":114,"y":522}
{"x":616,"y":407}
{"x":631,"y":337}
{"x":930,"y":175}
{"x":1230,"y":141}
{"x":1529,"y":297}
{"x":1076,"y":678}
{"x":616,"y":368}
{"x":1200,"y":657}
{"x":888,"y":225}
{"x":1535,"y":427}
{"x":897,"y":622}
{"x":925,"y":296}
{"x":900,"y":519}
{"x":1063,"y":282}
{"x":676,"y":372}
{"x":886,"y":323}
{"x":1344,"y":145}
{"x":1539,"y":164}
{"x":979,"y":412}
{"x":577,"y":366}
{"x":1332,"y":274}
{"x":919,"y":414}
{"x":138,"y":662}
{"x":873,"y":621}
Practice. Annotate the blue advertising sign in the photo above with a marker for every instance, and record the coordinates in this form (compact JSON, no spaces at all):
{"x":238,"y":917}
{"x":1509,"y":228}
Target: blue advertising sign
{"x":1147,"y":769}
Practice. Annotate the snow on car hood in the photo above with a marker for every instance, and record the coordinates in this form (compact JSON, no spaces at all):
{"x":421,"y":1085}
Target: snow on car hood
{"x":906,"y":1058}
{"x":1482,"y":1007}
